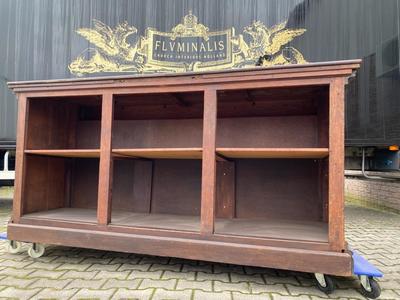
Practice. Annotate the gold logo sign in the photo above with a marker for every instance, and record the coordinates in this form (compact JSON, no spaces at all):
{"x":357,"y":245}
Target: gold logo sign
{"x":190,"y":46}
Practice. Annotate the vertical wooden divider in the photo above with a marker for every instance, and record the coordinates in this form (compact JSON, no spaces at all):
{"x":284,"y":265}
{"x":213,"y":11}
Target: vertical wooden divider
{"x":106,"y":161}
{"x":336,"y":165}
{"x":20,"y":158}
{"x":208,"y":189}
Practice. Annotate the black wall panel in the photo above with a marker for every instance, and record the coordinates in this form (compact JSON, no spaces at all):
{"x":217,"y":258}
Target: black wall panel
{"x":38,"y":41}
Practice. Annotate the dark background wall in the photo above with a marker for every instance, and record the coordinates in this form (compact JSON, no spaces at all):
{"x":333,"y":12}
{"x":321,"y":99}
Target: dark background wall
{"x":38,"y":41}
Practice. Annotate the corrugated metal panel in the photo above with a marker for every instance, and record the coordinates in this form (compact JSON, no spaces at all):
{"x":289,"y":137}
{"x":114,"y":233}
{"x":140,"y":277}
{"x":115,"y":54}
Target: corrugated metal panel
{"x":41,"y":42}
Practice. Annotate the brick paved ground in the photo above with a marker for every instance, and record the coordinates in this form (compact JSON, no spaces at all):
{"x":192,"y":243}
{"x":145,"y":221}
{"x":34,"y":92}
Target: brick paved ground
{"x":70,"y":273}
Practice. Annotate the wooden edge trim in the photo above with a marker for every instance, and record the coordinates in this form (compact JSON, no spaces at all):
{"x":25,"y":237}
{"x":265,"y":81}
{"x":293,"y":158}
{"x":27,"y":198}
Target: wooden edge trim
{"x":106,"y":161}
{"x":253,"y":255}
{"x":23,"y":111}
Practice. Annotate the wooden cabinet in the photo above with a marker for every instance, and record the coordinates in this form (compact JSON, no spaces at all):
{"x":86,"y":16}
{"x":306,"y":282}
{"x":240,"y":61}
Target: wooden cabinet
{"x":240,"y":167}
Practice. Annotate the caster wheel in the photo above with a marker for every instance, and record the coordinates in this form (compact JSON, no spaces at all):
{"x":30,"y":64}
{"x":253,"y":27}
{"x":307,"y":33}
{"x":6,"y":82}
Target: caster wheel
{"x":14,"y":247}
{"x":36,"y":250}
{"x":325,"y":283}
{"x":369,"y":287}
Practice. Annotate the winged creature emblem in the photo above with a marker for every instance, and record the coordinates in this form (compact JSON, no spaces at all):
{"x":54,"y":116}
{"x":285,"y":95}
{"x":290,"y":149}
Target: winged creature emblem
{"x":269,"y":44}
{"x":112,"y":52}
{"x":122,"y":49}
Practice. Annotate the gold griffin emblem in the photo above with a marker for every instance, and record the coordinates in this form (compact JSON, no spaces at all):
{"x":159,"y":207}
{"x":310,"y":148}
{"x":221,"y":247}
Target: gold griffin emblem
{"x":190,"y":46}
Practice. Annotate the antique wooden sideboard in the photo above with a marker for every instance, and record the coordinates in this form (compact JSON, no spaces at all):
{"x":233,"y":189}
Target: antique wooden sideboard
{"x":242,"y":166}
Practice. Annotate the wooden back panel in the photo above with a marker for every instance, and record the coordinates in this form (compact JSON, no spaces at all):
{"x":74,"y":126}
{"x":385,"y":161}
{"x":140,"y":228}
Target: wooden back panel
{"x":62,"y":124}
{"x":85,"y":181}
{"x":44,"y":185}
{"x":278,"y":188}
{"x":176,"y":187}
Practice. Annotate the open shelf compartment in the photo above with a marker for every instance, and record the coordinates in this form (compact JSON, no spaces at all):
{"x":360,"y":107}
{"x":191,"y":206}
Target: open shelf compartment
{"x":61,"y":188}
{"x":157,"y":193}
{"x":157,"y":150}
{"x":63,"y":123}
{"x":273,"y":182}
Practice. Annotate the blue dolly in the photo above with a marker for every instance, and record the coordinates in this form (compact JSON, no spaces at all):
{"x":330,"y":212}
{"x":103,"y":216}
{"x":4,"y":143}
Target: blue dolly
{"x":365,"y":271}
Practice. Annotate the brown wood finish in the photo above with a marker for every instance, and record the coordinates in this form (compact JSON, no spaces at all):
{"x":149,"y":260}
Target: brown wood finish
{"x":165,"y":153}
{"x":66,"y":153}
{"x":225,"y":199}
{"x":106,"y":161}
{"x":20,"y":158}
{"x":336,"y":165}
{"x":208,"y":189}
{"x":273,"y":152}
{"x":241,"y":167}
{"x":132,"y":185}
{"x":327,"y":262}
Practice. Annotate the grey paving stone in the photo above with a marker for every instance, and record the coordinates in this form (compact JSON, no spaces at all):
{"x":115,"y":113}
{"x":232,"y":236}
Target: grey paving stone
{"x":312,"y":291}
{"x":139,"y":274}
{"x":112,"y":274}
{"x":158,"y":267}
{"x":94,"y":294}
{"x":257,"y":278}
{"x":58,"y":284}
{"x":242,"y":287}
{"x":179,"y":275}
{"x":45,"y":274}
{"x":142,"y":267}
{"x":68,"y":260}
{"x":133,"y":294}
{"x":117,"y":283}
{"x":389,"y":294}
{"x":161,"y":294}
{"x":201,"y":295}
{"x":256,"y":288}
{"x":125,"y":260}
{"x":301,"y":297}
{"x":103,"y":267}
{"x":17,"y":282}
{"x":211,"y":276}
{"x":240,"y":296}
{"x":74,"y":267}
{"x":152,"y":283}
{"x":97,"y":260}
{"x":42,"y":265}
{"x":281,"y":279}
{"x":79,"y":274}
{"x":221,"y":268}
{"x":81,"y":283}
{"x":16,"y":264}
{"x":49,"y":293}
{"x":198,"y":285}
{"x":16,"y":293}
{"x":375,"y":234}
{"x":16,"y":272}
{"x":197,"y":268}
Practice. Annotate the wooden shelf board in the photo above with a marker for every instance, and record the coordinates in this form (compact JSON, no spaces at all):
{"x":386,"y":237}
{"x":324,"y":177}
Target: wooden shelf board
{"x":273,"y":152}
{"x":164,"y":153}
{"x":83,"y":153}
{"x":261,"y":228}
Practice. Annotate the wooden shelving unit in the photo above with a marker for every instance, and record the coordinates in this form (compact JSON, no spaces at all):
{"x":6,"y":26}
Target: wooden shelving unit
{"x":236,"y":167}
